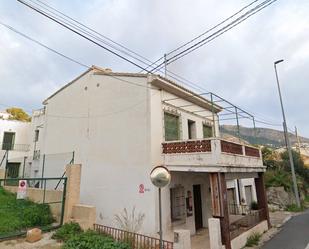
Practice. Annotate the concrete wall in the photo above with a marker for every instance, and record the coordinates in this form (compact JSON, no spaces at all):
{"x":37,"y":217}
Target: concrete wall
{"x":241,"y":240}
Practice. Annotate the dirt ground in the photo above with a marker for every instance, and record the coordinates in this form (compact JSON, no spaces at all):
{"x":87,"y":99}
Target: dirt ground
{"x":45,"y":243}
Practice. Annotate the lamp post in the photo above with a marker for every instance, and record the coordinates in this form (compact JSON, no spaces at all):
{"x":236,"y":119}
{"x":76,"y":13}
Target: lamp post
{"x":287,"y":140}
{"x":160,"y":177}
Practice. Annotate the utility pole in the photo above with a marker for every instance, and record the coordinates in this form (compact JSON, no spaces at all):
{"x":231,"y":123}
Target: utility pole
{"x":287,"y":140}
{"x":165,"y":66}
{"x":298,"y":140}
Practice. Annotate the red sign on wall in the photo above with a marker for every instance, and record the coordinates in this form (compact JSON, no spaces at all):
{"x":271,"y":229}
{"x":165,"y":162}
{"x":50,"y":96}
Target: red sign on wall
{"x":141,"y":188}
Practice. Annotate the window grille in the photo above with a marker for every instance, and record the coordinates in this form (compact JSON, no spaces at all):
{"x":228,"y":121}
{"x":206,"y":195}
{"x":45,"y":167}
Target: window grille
{"x":207,"y":131}
{"x":171,"y":125}
{"x":178,"y":204}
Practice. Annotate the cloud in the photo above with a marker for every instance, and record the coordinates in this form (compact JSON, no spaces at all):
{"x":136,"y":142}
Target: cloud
{"x":238,"y":65}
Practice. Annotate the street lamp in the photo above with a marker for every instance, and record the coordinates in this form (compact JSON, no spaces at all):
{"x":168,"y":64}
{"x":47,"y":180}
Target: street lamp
{"x":160,"y":177}
{"x":287,"y":140}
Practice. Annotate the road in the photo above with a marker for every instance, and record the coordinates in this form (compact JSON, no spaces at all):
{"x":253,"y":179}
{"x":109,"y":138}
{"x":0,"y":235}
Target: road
{"x":293,"y":235}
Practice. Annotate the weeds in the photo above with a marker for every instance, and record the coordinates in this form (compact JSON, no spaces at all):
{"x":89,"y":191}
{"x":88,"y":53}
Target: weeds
{"x":17,"y":215}
{"x":67,"y":231}
{"x":253,"y":239}
{"x":130,"y":221}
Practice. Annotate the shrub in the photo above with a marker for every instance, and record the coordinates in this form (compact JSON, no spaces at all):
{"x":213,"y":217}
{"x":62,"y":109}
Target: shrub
{"x":294,"y":208}
{"x":254,"y":205}
{"x":93,"y":240}
{"x":253,"y":239}
{"x":37,"y":215}
{"x":67,"y":231}
{"x":278,"y":178}
{"x":16,"y":215}
{"x":131,"y":222}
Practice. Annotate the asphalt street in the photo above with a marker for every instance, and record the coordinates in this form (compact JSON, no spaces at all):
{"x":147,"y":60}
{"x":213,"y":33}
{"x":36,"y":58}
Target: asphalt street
{"x":293,"y":235}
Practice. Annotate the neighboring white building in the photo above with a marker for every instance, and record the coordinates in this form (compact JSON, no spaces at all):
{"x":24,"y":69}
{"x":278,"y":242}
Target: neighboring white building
{"x":4,"y":115}
{"x":14,"y":145}
{"x":122,"y":125}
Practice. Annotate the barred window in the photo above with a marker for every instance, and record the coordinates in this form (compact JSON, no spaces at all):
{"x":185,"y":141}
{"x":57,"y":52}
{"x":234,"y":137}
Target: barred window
{"x":171,"y":126}
{"x":207,"y":131}
{"x":178,"y":211}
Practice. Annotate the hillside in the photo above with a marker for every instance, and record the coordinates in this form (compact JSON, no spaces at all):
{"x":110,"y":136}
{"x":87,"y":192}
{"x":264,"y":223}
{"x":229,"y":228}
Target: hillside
{"x":264,"y":136}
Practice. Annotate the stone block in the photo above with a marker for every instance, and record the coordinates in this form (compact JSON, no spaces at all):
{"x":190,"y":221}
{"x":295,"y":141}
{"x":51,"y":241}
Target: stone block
{"x":214,"y":233}
{"x":34,"y":235}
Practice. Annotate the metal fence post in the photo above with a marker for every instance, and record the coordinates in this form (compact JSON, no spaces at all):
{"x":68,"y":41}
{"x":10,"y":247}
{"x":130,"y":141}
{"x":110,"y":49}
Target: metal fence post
{"x":73,"y":158}
{"x":63,"y":200}
{"x":24,"y":166}
{"x":43,"y":168}
{"x":44,"y":192}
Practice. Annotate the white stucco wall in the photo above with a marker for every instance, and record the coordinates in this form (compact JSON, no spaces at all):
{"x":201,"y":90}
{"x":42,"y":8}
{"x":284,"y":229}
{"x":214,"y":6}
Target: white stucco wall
{"x":107,"y":123}
{"x":21,"y":130}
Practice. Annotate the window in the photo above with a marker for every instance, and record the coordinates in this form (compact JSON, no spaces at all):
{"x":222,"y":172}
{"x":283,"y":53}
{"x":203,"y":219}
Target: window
{"x":178,"y":204}
{"x":191,"y":129}
{"x":36,"y":135}
{"x":207,"y":131}
{"x":8,"y":140}
{"x":171,"y":126}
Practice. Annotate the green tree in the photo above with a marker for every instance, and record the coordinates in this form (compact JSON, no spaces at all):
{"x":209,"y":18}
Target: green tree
{"x":299,"y":165}
{"x":18,"y":114}
{"x":270,"y":158}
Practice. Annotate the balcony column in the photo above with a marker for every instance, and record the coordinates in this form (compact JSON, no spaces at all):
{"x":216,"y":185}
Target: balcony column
{"x":220,"y":205}
{"x":261,"y":196}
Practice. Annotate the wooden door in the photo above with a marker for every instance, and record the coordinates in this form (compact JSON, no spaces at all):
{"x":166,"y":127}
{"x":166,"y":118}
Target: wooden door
{"x":198,"y":213}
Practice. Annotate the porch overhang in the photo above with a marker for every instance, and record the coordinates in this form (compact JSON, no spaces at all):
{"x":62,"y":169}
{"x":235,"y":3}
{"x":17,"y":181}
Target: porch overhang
{"x":216,"y":168}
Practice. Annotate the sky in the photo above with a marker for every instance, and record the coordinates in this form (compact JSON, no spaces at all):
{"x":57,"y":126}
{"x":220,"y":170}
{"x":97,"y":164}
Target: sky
{"x":237,"y":65}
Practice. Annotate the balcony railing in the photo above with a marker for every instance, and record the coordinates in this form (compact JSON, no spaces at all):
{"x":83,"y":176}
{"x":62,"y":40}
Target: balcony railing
{"x":247,"y":221}
{"x":232,"y":148}
{"x":204,"y":145}
{"x":212,"y":152}
{"x":15,"y":147}
{"x":135,"y":240}
{"x":187,"y":146}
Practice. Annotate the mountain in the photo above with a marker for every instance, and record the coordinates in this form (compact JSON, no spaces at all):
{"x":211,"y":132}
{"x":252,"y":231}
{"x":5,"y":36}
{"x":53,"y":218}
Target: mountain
{"x":264,"y":136}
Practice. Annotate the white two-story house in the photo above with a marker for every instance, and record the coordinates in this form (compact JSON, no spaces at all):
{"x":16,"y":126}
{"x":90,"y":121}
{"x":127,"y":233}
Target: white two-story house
{"x":14,"y":145}
{"x":122,"y":125}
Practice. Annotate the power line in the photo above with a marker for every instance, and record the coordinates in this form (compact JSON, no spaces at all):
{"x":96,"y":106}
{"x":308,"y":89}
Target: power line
{"x":43,"y":45}
{"x":212,"y":28}
{"x":69,"y":58}
{"x":82,"y":35}
{"x":69,"y":23}
{"x":59,"y":22}
{"x":216,"y":34}
{"x":92,"y":30}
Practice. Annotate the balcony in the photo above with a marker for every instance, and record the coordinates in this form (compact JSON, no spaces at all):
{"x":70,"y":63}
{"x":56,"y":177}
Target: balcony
{"x":15,"y":147}
{"x":211,"y":155}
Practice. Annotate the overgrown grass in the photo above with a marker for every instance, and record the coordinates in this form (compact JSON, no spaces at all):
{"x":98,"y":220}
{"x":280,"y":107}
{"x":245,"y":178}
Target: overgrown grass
{"x":17,"y":215}
{"x":253,"y":239}
{"x":73,"y":237}
{"x":294,"y":208}
{"x":67,"y":231}
{"x":278,"y":178}
{"x":93,"y":240}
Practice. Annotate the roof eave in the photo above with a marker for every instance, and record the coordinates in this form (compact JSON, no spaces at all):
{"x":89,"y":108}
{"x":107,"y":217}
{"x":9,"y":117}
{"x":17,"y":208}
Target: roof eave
{"x":184,"y":93}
